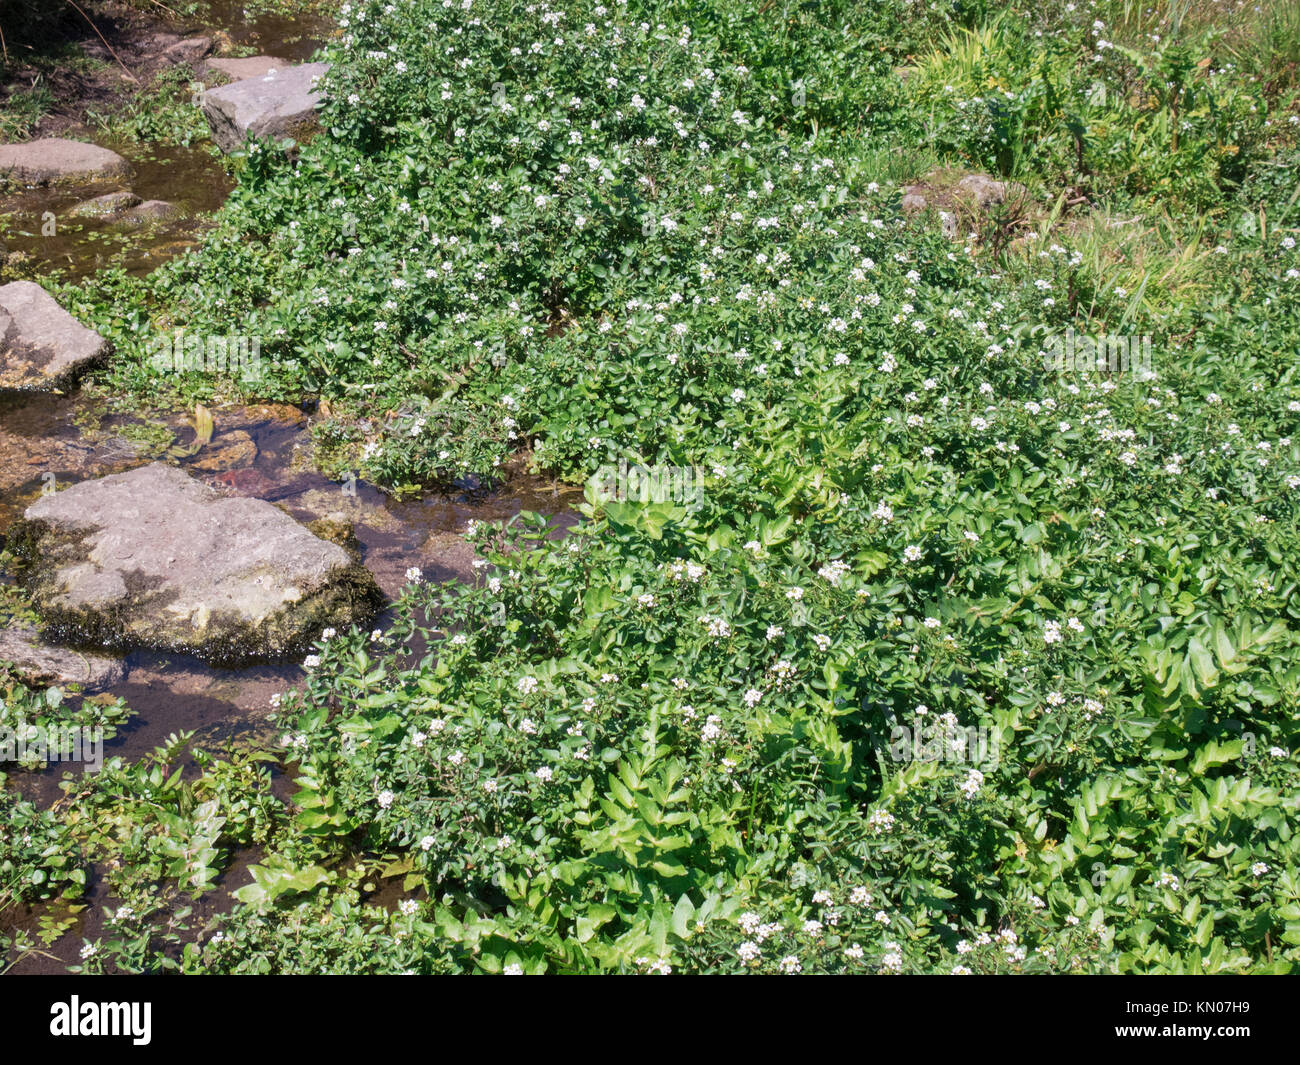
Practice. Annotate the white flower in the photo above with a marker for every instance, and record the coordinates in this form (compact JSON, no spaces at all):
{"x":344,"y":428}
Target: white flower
{"x":752,"y":697}
{"x":527,"y":685}
{"x":413,"y":574}
{"x":385,"y":799}
{"x":545,"y":774}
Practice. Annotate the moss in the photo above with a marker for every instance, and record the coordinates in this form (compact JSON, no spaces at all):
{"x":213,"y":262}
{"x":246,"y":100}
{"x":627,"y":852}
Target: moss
{"x":338,"y":532}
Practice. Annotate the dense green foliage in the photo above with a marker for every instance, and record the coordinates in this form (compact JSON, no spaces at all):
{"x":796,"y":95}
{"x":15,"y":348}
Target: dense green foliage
{"x":670,"y":740}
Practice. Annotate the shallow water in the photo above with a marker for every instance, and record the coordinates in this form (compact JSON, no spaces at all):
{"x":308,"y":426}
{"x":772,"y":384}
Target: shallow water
{"x":44,"y":239}
{"x":284,"y":36}
{"x":223,"y":707}
{"x":172,"y":693}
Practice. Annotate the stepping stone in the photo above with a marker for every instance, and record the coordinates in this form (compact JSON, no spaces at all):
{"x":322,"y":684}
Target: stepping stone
{"x":54,"y":159}
{"x":103,"y":206}
{"x":254,"y":66}
{"x":42,"y":347}
{"x":41,"y":665}
{"x":154,"y":558}
{"x":149,"y":213}
{"x":276,"y":105}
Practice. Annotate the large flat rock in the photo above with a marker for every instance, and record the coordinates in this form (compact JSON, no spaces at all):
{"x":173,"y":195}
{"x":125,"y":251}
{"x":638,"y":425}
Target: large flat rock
{"x":42,"y":664}
{"x":154,"y":558}
{"x":281,"y":104}
{"x":42,"y":347}
{"x":53,"y":159}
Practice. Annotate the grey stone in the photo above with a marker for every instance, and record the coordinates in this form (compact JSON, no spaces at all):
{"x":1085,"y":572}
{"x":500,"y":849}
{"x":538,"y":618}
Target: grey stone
{"x":54,"y":159}
{"x":42,"y":347}
{"x":276,"y":105}
{"x":42,"y":664}
{"x":154,"y":558}
{"x":151,"y":211}
{"x":189,"y":50}
{"x":253,"y":66}
{"x":985,"y":192}
{"x":913,"y":202}
{"x":111,"y":203}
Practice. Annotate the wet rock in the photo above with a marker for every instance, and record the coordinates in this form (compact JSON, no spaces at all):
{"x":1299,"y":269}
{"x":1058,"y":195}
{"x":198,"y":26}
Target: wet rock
{"x":105,"y":206}
{"x":190,"y":50}
{"x":276,"y":105}
{"x":337,"y":530}
{"x":154,"y":558}
{"x":229,"y":451}
{"x":247,"y":482}
{"x":42,"y":347}
{"x":53,"y":159}
{"x":253,"y":66}
{"x":40,"y":664}
{"x":279,"y":413}
{"x":335,"y":505}
{"x":150,"y":212}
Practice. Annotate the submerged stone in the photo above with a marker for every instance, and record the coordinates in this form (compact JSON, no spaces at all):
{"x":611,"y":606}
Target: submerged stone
{"x":110,"y":203}
{"x":40,"y":664}
{"x":154,"y":558}
{"x":150,"y":212}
